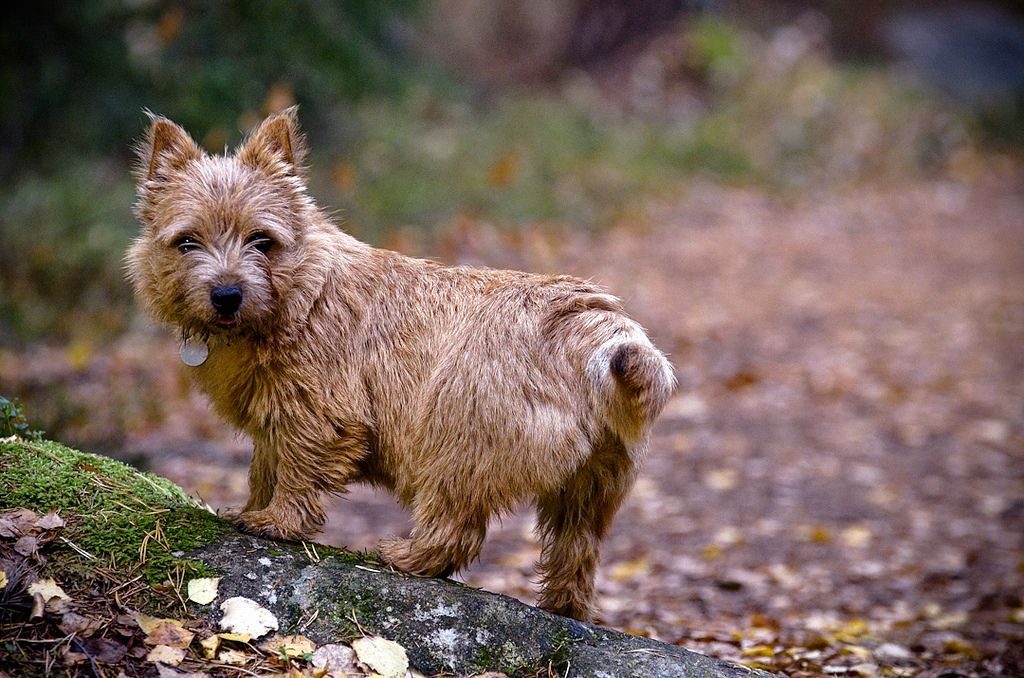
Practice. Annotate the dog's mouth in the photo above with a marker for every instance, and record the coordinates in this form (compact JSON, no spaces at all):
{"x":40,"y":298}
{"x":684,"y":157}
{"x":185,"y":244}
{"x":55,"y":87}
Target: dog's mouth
{"x":226,"y":322}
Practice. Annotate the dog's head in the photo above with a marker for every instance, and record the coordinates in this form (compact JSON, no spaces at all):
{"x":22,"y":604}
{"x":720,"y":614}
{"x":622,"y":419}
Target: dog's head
{"x":221,"y":236}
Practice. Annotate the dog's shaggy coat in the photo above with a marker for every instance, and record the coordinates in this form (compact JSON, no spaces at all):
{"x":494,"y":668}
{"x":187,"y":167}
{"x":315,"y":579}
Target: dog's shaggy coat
{"x":464,"y":391}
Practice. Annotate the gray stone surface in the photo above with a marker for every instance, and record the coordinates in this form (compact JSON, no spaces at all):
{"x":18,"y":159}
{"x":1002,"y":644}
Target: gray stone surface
{"x":330,"y":595}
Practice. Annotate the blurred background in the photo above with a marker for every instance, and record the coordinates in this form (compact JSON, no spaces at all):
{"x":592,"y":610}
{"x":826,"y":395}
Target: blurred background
{"x":816,"y":208}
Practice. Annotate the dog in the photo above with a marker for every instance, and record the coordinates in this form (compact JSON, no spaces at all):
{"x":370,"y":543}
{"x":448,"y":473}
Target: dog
{"x":464,"y":391}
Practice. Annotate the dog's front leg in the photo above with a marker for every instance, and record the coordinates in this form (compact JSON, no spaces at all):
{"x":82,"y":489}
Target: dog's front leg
{"x":290,"y":471}
{"x":262,"y":476}
{"x":284,"y":501}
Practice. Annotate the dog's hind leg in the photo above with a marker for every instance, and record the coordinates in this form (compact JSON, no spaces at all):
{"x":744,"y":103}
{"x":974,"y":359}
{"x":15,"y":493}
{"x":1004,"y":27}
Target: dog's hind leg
{"x":571,"y":522}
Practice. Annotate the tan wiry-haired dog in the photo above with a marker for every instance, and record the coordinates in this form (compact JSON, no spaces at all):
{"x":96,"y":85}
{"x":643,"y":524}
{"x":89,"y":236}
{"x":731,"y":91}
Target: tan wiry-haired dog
{"x":464,"y":391}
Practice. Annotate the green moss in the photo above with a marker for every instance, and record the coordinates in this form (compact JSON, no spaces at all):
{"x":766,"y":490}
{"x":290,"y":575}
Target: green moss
{"x":561,"y":641}
{"x":342,"y":555}
{"x":121,"y":516}
{"x":509,"y":660}
{"x":506,"y":659}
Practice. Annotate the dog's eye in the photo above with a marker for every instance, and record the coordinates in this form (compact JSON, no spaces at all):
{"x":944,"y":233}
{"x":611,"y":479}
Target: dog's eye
{"x":261,"y":241}
{"x":186,"y":244}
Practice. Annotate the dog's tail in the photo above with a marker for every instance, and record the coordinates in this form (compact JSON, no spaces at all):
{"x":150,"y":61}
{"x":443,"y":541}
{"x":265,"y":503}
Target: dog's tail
{"x":634,"y":380}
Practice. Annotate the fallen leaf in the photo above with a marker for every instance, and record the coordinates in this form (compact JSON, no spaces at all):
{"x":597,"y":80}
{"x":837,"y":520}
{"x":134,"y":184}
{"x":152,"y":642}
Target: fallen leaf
{"x":203,"y":590}
{"x":957,"y":645}
{"x":384,"y":656}
{"x":233,"y":657}
{"x":48,"y":598}
{"x":819,"y":535}
{"x":237,"y":637}
{"x":856,"y":536}
{"x":7,"y":529}
{"x":759,"y":651}
{"x":741,"y":380}
{"x":95,"y":649}
{"x":336,"y":659}
{"x":17,"y":522}
{"x":164,"y":671}
{"x":244,"y":616}
{"x":171,"y":634}
{"x":210,"y":646}
{"x":171,"y":656}
{"x":48,"y":589}
{"x":711,"y":552}
{"x":722,"y":479}
{"x":950,"y":621}
{"x":148,"y":624}
{"x":289,"y":646}
{"x":892,"y":652}
{"x":26,"y":545}
{"x":3,"y":579}
{"x":72,"y":622}
{"x":630,"y":569}
{"x":865,"y":669}
{"x":50,"y":521}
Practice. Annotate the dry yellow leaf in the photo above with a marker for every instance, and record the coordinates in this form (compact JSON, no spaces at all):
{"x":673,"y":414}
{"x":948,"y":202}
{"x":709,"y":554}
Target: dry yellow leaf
{"x":759,"y":651}
{"x":172,"y":656}
{"x":384,"y":656}
{"x":959,"y":646}
{"x":171,"y":634}
{"x":950,"y":620}
{"x":722,"y":479}
{"x":210,"y":646}
{"x":289,"y":646}
{"x":335,"y":659}
{"x":237,"y":637}
{"x":148,"y":624}
{"x":48,"y":589}
{"x":203,"y":590}
{"x":233,"y":657}
{"x":856,"y":536}
{"x":711,"y":552}
{"x":629,"y":569}
{"x":819,"y":535}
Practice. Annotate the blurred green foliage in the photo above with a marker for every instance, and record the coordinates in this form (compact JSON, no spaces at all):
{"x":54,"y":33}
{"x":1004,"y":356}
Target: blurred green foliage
{"x":779,"y":114}
{"x":13,"y":423}
{"x":76,"y":76}
{"x":397,"y":143}
{"x":74,"y":80}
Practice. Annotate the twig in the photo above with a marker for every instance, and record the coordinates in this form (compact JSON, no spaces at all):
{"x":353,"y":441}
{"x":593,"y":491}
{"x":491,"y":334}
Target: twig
{"x":77,"y":549}
{"x":314,"y":557}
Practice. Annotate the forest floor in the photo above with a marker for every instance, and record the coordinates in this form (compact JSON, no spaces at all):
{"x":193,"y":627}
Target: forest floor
{"x":836,"y":488}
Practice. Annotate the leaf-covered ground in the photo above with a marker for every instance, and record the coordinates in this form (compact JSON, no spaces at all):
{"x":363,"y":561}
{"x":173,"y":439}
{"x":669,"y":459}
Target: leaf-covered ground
{"x":838,"y":486}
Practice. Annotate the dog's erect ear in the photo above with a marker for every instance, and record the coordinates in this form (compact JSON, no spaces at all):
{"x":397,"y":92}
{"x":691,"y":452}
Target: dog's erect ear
{"x":277,"y":144}
{"x":166,"y":146}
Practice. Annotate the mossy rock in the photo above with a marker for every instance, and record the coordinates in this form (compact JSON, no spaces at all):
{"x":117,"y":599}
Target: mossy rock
{"x":136,"y":523}
{"x":120,"y":516}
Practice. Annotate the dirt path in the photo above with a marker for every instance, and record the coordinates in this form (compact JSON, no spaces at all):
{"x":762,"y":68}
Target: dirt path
{"x":840,"y":481}
{"x":837,"y":487}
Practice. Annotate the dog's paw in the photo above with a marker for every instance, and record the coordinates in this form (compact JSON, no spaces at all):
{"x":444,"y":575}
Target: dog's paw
{"x":395,"y":551}
{"x":263,"y":523}
{"x":402,"y":554}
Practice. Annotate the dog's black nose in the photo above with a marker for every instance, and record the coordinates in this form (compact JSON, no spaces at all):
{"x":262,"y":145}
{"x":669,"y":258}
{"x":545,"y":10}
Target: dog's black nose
{"x":226,"y":299}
